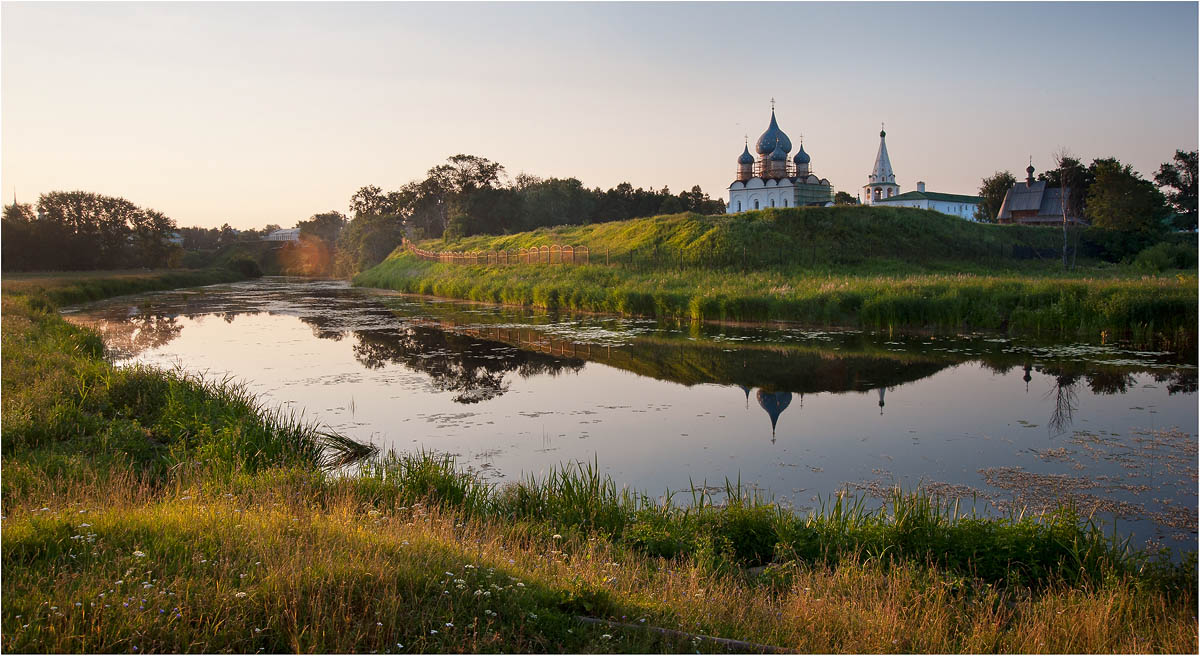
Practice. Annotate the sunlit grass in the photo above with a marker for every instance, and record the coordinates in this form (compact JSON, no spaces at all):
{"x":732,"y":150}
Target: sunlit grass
{"x":150,"y":511}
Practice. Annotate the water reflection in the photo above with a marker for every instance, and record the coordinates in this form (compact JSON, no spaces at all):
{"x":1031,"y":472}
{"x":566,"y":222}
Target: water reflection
{"x":470,"y":350}
{"x":512,"y":392}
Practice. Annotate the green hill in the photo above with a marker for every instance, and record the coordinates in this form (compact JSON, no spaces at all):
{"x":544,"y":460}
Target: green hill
{"x":811,"y":236}
{"x":874,"y":268}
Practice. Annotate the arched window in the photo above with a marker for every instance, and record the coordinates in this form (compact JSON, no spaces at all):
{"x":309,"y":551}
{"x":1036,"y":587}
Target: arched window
{"x":755,"y":204}
{"x":772,"y":202}
{"x":739,"y":206}
{"x":785,"y":202}
{"x":878,"y":193}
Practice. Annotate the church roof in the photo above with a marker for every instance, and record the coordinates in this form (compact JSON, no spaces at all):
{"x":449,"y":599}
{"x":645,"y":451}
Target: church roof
{"x":772,"y":138}
{"x":746,"y":157}
{"x":932,"y":195}
{"x":883,"y":164}
{"x":1037,"y":196}
{"x":779,"y":154}
{"x":801,"y":156}
{"x":774,"y":403}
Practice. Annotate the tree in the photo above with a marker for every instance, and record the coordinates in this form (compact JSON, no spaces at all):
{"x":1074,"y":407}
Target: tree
{"x":370,"y":200}
{"x":325,"y":226}
{"x":993,"y":189}
{"x":843,"y":198}
{"x":1120,"y":199}
{"x":1180,"y":177}
{"x":366,"y":241}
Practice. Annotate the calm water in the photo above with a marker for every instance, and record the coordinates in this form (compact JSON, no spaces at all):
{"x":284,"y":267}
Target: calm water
{"x":802,"y":414}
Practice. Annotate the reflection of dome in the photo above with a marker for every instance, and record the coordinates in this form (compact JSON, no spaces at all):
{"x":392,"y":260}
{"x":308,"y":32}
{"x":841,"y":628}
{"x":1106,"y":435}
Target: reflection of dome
{"x":772,"y":138}
{"x":774,"y":403}
{"x":746,"y":157}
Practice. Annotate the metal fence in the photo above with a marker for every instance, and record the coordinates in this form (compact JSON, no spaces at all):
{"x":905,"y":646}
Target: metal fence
{"x":535,"y":255}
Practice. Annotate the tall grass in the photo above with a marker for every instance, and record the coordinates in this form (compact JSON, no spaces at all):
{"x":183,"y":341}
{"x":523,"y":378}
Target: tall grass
{"x":1144,"y":310}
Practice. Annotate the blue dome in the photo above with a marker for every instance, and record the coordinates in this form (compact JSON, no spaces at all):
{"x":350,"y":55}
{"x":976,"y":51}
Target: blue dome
{"x":802,"y":157}
{"x":773,"y":137}
{"x":746,"y":157}
{"x":778,"y":155}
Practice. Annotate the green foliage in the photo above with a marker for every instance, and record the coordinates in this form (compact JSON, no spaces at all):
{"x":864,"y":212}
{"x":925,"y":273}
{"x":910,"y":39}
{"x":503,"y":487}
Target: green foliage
{"x":843,"y":198}
{"x":1121,"y":200}
{"x":325,"y":226}
{"x":244,"y":265}
{"x":365,"y":242}
{"x":79,"y":230}
{"x":1179,"y":176}
{"x":993,"y":189}
{"x":1164,"y":256}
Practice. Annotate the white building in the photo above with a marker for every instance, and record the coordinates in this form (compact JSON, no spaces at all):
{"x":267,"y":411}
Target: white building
{"x":287,"y":234}
{"x":773,"y":181}
{"x":953,"y":204}
{"x":881,"y":189}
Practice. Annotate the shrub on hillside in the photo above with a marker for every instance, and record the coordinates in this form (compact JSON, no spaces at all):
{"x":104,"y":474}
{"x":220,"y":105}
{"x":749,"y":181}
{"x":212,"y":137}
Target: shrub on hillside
{"x":1161,"y":257}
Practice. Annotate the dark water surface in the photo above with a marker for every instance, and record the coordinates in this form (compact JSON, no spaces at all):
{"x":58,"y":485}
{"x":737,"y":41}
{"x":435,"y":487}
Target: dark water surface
{"x":800,"y":413}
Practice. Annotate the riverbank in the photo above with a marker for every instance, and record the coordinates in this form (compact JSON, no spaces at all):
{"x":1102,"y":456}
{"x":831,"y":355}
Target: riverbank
{"x":1144,"y":310}
{"x":69,"y":287}
{"x":853,"y":267}
{"x":146,"y":511}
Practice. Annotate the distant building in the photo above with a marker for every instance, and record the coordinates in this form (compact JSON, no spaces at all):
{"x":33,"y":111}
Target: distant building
{"x":952,"y":204}
{"x":1033,"y":203}
{"x":287,"y":234}
{"x":774,"y":181}
{"x":175,"y":238}
{"x":881,"y":182}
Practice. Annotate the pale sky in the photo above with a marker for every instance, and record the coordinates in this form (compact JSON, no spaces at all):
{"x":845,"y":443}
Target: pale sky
{"x":257,"y":113}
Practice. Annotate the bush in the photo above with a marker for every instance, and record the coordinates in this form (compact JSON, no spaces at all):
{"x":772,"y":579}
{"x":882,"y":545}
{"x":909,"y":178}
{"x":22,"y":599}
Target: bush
{"x":244,"y":265}
{"x":1161,"y":257}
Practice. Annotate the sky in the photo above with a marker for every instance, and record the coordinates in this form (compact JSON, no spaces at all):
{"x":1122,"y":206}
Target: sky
{"x":259,"y":113}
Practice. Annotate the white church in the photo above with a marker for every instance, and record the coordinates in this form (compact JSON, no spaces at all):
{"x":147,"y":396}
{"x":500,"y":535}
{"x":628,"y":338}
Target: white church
{"x":772,"y":180}
{"x":881,"y":189}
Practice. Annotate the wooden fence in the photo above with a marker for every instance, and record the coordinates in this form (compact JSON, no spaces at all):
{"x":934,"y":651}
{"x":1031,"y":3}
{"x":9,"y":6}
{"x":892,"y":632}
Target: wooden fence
{"x":535,"y":255}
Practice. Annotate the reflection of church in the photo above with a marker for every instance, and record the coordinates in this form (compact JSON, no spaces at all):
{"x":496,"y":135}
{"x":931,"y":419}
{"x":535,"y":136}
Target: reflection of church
{"x":774,"y":403}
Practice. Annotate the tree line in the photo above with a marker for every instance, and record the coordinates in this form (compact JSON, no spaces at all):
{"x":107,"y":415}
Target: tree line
{"x":79,"y":230}
{"x":471,"y":195}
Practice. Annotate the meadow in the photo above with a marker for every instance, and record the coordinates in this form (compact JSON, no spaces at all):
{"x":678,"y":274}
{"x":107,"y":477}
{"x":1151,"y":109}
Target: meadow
{"x":881,"y":269}
{"x":154,"y":511}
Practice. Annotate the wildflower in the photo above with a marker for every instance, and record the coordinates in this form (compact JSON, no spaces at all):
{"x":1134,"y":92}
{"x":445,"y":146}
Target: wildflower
{"x":379,"y":624}
{"x":606,"y":636}
{"x":450,"y":624}
{"x":257,"y":630}
{"x":240,"y":595}
{"x":139,"y":554}
{"x":556,"y":536}
{"x":85,"y":525}
{"x":520,"y":585}
{"x":432,"y":631}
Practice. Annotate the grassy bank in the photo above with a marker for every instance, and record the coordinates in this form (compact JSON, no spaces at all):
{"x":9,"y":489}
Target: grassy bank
{"x":148,"y":511}
{"x":68,"y":287}
{"x":1159,"y":310}
{"x":876,"y":268}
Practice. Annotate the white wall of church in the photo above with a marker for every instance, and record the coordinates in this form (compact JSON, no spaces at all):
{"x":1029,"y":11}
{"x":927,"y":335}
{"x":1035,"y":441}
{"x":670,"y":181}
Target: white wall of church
{"x":758,"y":194}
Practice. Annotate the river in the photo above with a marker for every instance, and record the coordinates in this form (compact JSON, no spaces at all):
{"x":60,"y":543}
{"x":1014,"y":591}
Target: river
{"x":800,"y":414}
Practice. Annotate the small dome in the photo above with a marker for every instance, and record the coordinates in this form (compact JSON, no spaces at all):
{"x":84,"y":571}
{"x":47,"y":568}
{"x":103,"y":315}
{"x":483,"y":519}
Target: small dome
{"x":746,"y":157}
{"x":1029,"y":170}
{"x":778,"y":155}
{"x":773,"y":137}
{"x":802,"y":157}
